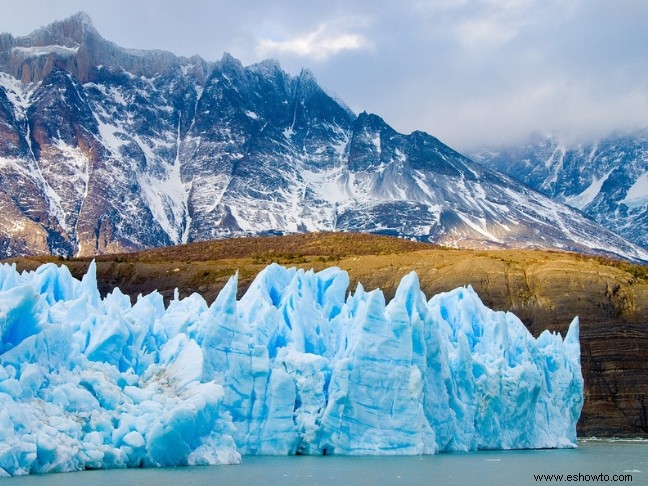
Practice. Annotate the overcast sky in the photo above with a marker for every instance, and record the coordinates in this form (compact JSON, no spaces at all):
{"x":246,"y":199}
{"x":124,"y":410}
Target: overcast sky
{"x":471,"y":72}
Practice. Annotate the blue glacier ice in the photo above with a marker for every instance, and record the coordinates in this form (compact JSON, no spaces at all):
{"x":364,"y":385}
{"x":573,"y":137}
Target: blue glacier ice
{"x":298,"y":365}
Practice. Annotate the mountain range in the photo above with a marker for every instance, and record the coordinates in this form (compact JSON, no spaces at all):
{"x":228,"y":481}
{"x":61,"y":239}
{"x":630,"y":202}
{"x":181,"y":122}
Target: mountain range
{"x":105,"y":149}
{"x":606,"y":178}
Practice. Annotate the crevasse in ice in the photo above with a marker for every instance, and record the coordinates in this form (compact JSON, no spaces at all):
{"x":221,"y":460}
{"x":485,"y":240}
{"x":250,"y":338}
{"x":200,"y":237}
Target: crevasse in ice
{"x":294,"y":367}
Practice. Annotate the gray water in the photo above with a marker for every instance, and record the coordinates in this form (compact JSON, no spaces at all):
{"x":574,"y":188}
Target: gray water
{"x":597,"y":462}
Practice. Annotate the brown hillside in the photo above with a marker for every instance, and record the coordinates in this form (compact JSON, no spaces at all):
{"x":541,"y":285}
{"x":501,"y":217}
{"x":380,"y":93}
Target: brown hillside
{"x":545,"y":289}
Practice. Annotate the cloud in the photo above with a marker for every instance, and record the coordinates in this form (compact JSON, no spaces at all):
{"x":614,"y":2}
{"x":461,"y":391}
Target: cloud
{"x":571,"y":106}
{"x":480,"y":32}
{"x":485,"y":23}
{"x":325,"y":41}
{"x":472,"y":72}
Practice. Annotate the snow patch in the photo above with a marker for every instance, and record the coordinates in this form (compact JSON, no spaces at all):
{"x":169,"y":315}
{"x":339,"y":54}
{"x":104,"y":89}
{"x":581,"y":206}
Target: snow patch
{"x":46,"y":50}
{"x":637,"y":195}
{"x":109,"y":137}
{"x":582,"y":200}
{"x":376,"y":142}
{"x":167,"y":195}
{"x":288,"y":133}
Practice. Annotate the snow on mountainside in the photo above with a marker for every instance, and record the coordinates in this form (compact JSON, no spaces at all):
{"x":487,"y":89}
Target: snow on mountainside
{"x":606,"y":179}
{"x":104,"y":149}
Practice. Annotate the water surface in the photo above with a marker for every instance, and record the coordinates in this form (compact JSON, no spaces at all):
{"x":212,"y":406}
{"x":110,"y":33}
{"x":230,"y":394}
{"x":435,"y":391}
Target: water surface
{"x":593,"y":460}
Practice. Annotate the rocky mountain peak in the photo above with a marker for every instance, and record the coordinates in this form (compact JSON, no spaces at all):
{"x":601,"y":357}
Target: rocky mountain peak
{"x":229,"y":62}
{"x":269,"y":68}
{"x":370,"y":121}
{"x":71,"y":32}
{"x":108,"y":149}
{"x":71,"y":44}
{"x":307,"y":76}
{"x":75,"y":46}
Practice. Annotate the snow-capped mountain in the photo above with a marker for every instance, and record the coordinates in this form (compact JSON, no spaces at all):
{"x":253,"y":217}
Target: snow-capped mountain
{"x":606,"y":179}
{"x":104,"y":149}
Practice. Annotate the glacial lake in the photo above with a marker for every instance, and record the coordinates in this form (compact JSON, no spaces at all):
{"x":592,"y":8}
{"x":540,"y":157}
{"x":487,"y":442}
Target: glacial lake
{"x":597,"y":462}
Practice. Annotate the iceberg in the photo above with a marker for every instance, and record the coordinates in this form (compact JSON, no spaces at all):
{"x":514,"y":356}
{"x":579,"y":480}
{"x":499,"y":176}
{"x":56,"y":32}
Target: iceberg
{"x":297,"y":365}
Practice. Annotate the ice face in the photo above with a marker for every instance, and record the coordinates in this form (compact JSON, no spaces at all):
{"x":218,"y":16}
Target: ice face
{"x":294,"y":366}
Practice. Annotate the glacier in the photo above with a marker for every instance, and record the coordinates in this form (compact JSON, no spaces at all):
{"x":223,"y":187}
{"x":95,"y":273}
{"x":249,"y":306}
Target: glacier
{"x":298,"y":365}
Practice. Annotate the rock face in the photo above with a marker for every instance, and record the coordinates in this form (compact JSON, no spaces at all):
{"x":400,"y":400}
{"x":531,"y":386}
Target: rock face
{"x":104,"y":149}
{"x":606,"y":179}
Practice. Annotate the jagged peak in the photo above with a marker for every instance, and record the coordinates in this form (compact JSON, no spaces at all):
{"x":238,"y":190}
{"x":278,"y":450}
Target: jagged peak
{"x":267,"y":66}
{"x":370,"y":120}
{"x":69,"y":32}
{"x":307,"y":83}
{"x":80,"y":18}
{"x":228,"y":59}
{"x":306,"y":75}
{"x":419,"y":134}
{"x":230,"y":65}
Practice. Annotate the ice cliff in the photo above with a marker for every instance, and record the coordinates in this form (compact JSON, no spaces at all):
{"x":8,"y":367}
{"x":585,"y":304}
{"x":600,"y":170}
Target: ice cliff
{"x":295,"y":366}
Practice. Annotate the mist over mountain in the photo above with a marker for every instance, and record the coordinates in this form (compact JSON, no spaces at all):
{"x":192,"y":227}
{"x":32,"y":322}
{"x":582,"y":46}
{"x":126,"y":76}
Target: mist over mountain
{"x":105,"y":149}
{"x":606,"y":178}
